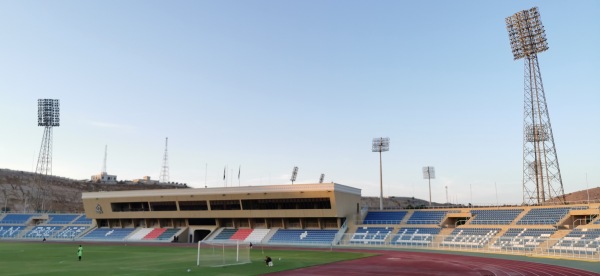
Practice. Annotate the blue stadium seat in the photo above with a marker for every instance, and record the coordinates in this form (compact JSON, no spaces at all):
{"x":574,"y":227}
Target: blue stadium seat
{"x":108,"y":234}
{"x":40,"y":232}
{"x":225,"y":234}
{"x":523,"y":238}
{"x":494,"y":217}
{"x":16,"y":218}
{"x":547,"y":216}
{"x":580,"y":240}
{"x":415,"y":236}
{"x":375,"y":217}
{"x":82,"y":220}
{"x":11,"y":231}
{"x":70,"y":232}
{"x":61,"y":218}
{"x":371,"y":235}
{"x":427,"y":217}
{"x":470,"y":237}
{"x":287,"y":236}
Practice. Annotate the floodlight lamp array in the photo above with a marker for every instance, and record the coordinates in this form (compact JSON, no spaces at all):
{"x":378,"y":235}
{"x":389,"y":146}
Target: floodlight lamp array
{"x":428,"y":172}
{"x":536,"y":133}
{"x":526,"y":33}
{"x":48,"y":112}
{"x":381,"y":144}
{"x":294,"y":174}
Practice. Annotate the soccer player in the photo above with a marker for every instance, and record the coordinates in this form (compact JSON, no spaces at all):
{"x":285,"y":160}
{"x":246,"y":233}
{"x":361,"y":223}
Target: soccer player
{"x":79,"y":252}
{"x":268,"y":261}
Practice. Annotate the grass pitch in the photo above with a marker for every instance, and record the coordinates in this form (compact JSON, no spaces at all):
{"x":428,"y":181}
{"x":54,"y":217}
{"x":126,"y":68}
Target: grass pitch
{"x":37,"y":258}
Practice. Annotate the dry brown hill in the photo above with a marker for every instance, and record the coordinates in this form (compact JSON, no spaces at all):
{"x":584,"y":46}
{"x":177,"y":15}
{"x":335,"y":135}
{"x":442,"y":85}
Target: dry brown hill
{"x":582,"y":196}
{"x":28,"y":192}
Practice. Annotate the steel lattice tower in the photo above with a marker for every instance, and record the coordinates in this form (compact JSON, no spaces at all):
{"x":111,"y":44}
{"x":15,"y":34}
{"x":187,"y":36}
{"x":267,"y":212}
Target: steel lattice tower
{"x":48,"y":117}
{"x":164,"y":172}
{"x":542,"y":181}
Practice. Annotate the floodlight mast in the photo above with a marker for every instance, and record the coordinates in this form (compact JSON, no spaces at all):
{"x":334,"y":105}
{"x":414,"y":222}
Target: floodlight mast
{"x":380,"y":145}
{"x":294,"y":174}
{"x":48,"y":117}
{"x":321,"y":178}
{"x":542,"y":180}
{"x":429,"y":173}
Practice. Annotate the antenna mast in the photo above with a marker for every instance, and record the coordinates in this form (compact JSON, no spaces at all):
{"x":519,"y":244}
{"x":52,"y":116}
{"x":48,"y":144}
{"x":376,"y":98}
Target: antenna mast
{"x":164,"y":172}
{"x":104,"y":165}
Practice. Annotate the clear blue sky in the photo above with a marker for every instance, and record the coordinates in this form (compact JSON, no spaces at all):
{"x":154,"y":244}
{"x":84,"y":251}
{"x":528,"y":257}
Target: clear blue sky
{"x":270,"y":85}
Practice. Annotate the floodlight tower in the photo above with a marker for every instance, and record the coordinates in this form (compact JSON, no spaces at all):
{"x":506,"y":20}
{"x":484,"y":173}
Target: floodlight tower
{"x":429,"y":174}
{"x":48,"y":117}
{"x":164,"y":172}
{"x":294,"y":174}
{"x":321,"y":178}
{"x":541,"y":173}
{"x":380,"y":145}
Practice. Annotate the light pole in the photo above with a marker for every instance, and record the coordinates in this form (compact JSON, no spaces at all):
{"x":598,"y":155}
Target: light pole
{"x":380,"y":145}
{"x":294,"y":174}
{"x":429,"y":173}
{"x":542,"y":180}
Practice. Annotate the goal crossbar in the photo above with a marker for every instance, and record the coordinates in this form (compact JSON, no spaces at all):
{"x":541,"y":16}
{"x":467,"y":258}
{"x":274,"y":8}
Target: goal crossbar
{"x":222,"y":253}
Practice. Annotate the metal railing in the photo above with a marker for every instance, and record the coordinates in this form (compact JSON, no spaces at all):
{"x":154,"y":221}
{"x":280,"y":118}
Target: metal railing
{"x":528,"y":246}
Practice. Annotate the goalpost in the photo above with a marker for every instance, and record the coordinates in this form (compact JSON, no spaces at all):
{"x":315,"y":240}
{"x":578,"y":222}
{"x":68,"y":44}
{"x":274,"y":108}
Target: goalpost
{"x":222,"y":253}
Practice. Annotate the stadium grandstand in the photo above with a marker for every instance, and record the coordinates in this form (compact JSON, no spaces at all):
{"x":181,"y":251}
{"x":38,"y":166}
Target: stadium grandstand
{"x":328,"y":215}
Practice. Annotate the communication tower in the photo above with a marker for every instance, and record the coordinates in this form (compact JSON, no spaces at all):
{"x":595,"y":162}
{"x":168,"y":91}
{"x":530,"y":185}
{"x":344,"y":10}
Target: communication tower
{"x":541,"y":173}
{"x":164,"y":172}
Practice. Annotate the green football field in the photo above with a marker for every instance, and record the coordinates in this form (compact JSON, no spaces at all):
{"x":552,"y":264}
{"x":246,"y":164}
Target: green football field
{"x":38,"y":258}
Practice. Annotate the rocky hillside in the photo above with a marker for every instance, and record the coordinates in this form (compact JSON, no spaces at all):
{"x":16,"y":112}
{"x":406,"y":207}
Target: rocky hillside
{"x":27,"y":192}
{"x":582,"y":196}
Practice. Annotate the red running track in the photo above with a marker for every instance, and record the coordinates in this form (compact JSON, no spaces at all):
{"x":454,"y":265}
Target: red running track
{"x":419,"y":263}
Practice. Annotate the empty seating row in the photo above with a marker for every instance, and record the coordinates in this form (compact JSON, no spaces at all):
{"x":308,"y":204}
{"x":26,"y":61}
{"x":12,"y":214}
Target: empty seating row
{"x":225,"y":234}
{"x":384,"y":217}
{"x":495,"y":217}
{"x":166,"y":235}
{"x":61,"y":218}
{"x":140,"y":234}
{"x":40,"y":232}
{"x":83,"y":219}
{"x":371,"y":235}
{"x":471,"y":237}
{"x":415,"y":236}
{"x":582,"y":240}
{"x":547,"y":216}
{"x":257,"y":235}
{"x":11,"y":231}
{"x":523,"y":238}
{"x":70,"y":232}
{"x":427,"y":217}
{"x":242,"y":234}
{"x":16,"y":218}
{"x":303,"y":236}
{"x":108,"y":234}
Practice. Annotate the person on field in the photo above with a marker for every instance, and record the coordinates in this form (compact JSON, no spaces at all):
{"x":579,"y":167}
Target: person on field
{"x":268,"y":261}
{"x":79,"y":252}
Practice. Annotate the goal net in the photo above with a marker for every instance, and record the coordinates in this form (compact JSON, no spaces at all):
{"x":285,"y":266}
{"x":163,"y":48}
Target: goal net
{"x":222,"y":253}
